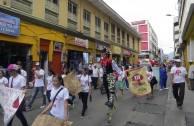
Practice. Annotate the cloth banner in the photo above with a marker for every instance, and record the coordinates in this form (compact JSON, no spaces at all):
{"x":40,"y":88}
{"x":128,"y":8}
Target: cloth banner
{"x":138,"y":81}
{"x":72,"y":83}
{"x":10,"y":101}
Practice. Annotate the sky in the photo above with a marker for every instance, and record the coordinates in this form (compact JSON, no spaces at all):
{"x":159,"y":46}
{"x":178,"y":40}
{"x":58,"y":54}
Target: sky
{"x":155,"y":12}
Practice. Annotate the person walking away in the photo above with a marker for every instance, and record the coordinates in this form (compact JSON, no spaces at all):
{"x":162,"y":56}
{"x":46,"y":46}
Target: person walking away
{"x":178,"y":79}
{"x":48,"y":84}
{"x":21,"y":70}
{"x":85,"y":81}
{"x":59,"y":105}
{"x":95,"y":74}
{"x":121,"y":81}
{"x":150,"y":76}
{"x":191,"y":75}
{"x":18,"y":82}
{"x":38,"y":84}
{"x":163,"y":77}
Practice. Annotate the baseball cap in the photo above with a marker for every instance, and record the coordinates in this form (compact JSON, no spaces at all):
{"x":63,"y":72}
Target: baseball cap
{"x":190,"y":60}
{"x":178,"y":60}
{"x":37,"y":63}
{"x":12,"y":67}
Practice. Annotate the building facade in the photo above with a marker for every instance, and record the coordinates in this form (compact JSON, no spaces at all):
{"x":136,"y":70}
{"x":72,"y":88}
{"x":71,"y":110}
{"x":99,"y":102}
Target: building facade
{"x":185,"y":47}
{"x":59,"y":32}
{"x":149,"y":42}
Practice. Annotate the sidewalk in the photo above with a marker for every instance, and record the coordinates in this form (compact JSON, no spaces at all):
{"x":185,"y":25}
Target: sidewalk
{"x":176,"y":117}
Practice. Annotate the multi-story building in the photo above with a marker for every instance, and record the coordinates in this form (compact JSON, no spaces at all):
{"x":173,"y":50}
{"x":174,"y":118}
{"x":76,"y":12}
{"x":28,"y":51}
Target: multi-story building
{"x":58,"y":32}
{"x":186,"y":31}
{"x":149,"y":42}
{"x":176,"y":37}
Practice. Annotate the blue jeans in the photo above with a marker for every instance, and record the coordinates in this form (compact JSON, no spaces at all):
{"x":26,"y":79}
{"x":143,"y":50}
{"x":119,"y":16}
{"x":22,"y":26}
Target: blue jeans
{"x":35,"y":92}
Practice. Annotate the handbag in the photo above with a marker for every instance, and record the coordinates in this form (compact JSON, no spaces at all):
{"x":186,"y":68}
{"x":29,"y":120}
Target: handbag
{"x":22,"y":106}
{"x":154,"y":80}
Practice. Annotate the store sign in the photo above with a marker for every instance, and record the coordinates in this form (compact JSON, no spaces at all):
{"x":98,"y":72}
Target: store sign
{"x":81,"y":42}
{"x":101,"y":47}
{"x":58,"y":46}
{"x":9,"y":25}
{"x":116,"y":50}
{"x":138,"y":22}
{"x":126,"y":52}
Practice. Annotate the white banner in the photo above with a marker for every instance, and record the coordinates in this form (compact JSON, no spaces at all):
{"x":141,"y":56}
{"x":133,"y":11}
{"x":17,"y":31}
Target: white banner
{"x":10,"y":101}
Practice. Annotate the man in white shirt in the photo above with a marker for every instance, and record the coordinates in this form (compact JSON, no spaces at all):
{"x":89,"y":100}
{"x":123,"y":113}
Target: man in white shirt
{"x":191,"y":75}
{"x":38,"y":84}
{"x":95,"y":74}
{"x":178,"y":79}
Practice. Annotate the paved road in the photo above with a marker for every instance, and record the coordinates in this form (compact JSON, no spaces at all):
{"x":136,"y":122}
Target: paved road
{"x":131,"y":111}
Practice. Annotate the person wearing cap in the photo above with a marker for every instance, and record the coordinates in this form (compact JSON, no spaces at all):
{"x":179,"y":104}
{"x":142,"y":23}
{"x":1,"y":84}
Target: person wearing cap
{"x":191,"y":75}
{"x":38,"y":84}
{"x":178,"y":78}
{"x":18,"y":82}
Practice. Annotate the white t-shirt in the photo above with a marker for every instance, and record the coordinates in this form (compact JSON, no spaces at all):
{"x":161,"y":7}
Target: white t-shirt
{"x":49,"y":82}
{"x":23,"y":73}
{"x":17,"y":82}
{"x":58,"y":109}
{"x":149,"y":75}
{"x":179,"y":74}
{"x":191,"y":70}
{"x":39,"y":82}
{"x":3,"y":81}
{"x":85,"y":80}
{"x":95,"y":72}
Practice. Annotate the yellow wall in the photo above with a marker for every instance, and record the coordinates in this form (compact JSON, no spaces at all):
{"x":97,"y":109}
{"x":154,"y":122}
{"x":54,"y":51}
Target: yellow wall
{"x":39,"y":8}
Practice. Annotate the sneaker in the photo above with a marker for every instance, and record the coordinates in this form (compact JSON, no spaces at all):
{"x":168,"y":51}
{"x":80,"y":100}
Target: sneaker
{"x":43,"y":106}
{"x":127,"y":88}
{"x":82,"y":117}
{"x":161,"y":89}
{"x":28,"y":108}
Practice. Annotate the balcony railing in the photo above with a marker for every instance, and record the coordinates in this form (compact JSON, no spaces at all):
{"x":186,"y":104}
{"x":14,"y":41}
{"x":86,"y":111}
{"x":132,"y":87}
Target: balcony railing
{"x":98,"y":35}
{"x":113,"y":37}
{"x":72,"y":25}
{"x":97,"y":29}
{"x":51,"y":17}
{"x":22,"y":5}
{"x":86,"y":31}
{"x":72,"y":16}
{"x":52,"y":7}
{"x":105,"y":32}
{"x":86,"y":23}
{"x":106,"y":38}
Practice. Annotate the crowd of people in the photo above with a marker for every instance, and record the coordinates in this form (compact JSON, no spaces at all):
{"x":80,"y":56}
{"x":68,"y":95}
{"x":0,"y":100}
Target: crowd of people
{"x":52,"y":88}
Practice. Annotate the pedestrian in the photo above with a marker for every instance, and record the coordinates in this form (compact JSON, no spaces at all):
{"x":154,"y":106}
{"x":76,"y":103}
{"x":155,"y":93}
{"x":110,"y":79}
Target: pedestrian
{"x":121,"y":81}
{"x":59,"y":105}
{"x":95,"y":73}
{"x":21,"y":70}
{"x":18,"y":82}
{"x":85,"y":81}
{"x":80,"y":66}
{"x":65,"y":71}
{"x":38,"y":84}
{"x":150,"y":76}
{"x":48,"y":84}
{"x":191,"y":75}
{"x":178,"y":78}
{"x":3,"y":79}
{"x":163,"y":77}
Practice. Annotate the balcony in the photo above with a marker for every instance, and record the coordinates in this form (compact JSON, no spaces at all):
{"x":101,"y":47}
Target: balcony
{"x":106,"y":38}
{"x":97,"y":35}
{"x":86,"y":24}
{"x":52,"y":7}
{"x":72,"y":25}
{"x":72,"y":16}
{"x":98,"y":29}
{"x":105,"y":32}
{"x":22,"y":5}
{"x":49,"y":16}
{"x":86,"y":31}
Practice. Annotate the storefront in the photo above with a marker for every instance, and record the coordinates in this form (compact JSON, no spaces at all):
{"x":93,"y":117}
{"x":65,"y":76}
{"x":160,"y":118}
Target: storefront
{"x":126,"y":57}
{"x":99,"y":48}
{"x":116,"y":54}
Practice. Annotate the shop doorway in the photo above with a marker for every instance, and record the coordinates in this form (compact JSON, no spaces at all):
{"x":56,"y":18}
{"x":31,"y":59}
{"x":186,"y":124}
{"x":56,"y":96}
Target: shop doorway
{"x":57,"y":65}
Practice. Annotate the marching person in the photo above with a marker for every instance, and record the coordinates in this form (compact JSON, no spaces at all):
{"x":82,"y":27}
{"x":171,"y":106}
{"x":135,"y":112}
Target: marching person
{"x":121,"y":81}
{"x":163,"y":77}
{"x":59,"y":100}
{"x":178,"y":78}
{"x":85,"y":81}
{"x":48,"y":84}
{"x":3,"y":79}
{"x":18,"y":82}
{"x":38,"y":84}
{"x":191,"y":75}
{"x":95,"y":74}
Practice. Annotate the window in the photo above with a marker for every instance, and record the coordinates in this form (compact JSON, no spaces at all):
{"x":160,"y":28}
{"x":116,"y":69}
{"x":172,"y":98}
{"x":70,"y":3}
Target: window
{"x":123,"y":35}
{"x":98,"y":22}
{"x":106,"y":26}
{"x":72,"y":7}
{"x":86,"y":16}
{"x":118,"y":32}
{"x":127,"y":37}
{"x":133,"y":43}
{"x":112,"y":28}
{"x":56,"y":2}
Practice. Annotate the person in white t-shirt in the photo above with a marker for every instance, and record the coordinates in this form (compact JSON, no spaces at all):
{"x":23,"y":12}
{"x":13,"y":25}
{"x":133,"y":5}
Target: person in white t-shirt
{"x":191,"y":75}
{"x":95,"y":73}
{"x":49,"y":84}
{"x":85,"y":81}
{"x":18,"y":82}
{"x":38,"y":84}
{"x":178,"y":79}
{"x":22,"y":72}
{"x":59,"y":100}
{"x":3,"y":79}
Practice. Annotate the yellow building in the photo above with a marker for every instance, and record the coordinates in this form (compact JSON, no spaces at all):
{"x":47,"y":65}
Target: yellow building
{"x":62,"y":32}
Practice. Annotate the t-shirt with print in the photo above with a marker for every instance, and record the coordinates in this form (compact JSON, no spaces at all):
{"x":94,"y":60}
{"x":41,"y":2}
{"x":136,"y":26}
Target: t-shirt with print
{"x":3,"y":81}
{"x":85,"y":80}
{"x":49,"y":83}
{"x":39,"y":82}
{"x":149,"y":75}
{"x":58,"y":109}
{"x":179,"y":74}
{"x":17,"y":82}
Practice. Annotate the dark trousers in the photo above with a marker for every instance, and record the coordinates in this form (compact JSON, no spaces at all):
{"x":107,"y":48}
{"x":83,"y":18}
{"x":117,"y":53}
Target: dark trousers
{"x":94,"y":82}
{"x":163,"y":82}
{"x":48,"y":94}
{"x":127,"y":83}
{"x":179,"y":92}
{"x":84,"y":97}
{"x":70,"y":101}
{"x":21,"y":117}
{"x":106,"y":86}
